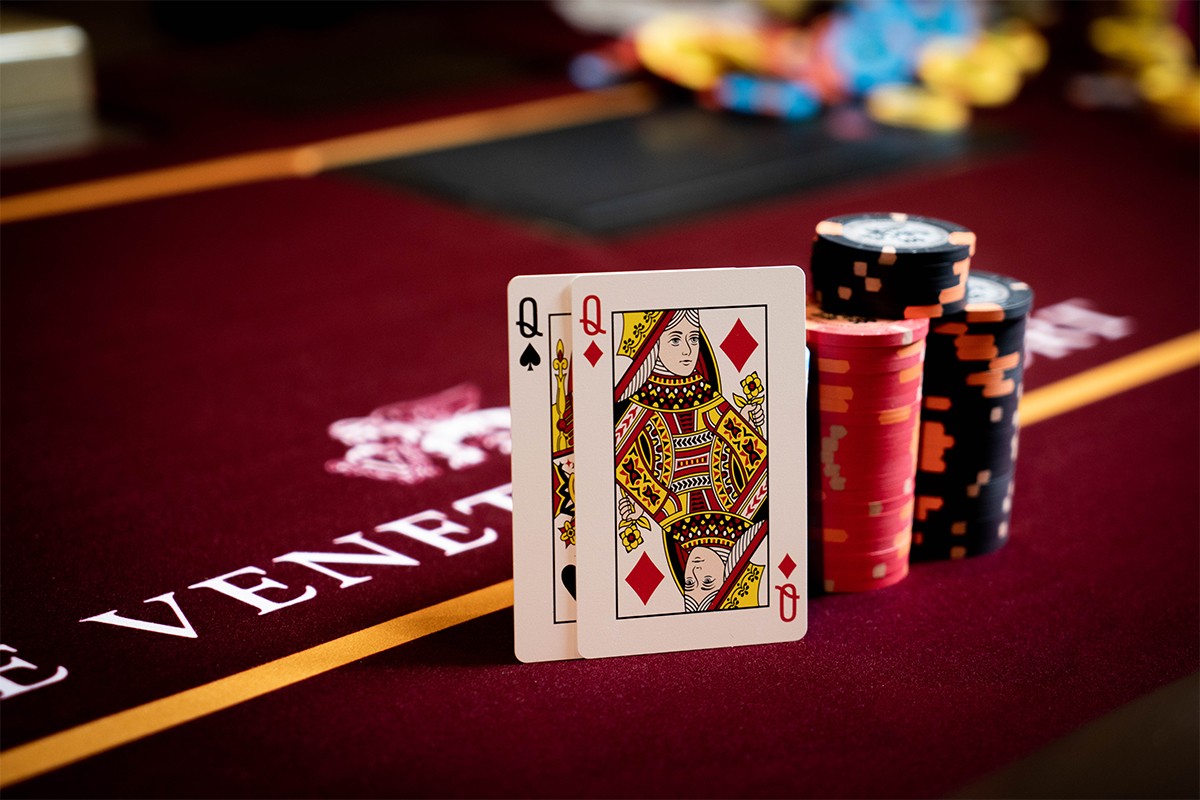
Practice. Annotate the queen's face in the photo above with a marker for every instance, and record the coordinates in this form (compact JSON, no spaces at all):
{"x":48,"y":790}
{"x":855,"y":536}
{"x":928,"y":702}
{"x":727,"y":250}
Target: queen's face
{"x":679,"y":347}
{"x":702,"y":574}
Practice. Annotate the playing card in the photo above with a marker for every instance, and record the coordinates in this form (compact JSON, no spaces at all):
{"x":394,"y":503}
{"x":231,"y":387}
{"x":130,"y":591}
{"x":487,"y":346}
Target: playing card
{"x":543,"y":467}
{"x":690,"y":459}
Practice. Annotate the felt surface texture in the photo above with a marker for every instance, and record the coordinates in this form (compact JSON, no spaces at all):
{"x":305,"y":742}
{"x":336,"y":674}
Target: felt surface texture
{"x":171,"y":369}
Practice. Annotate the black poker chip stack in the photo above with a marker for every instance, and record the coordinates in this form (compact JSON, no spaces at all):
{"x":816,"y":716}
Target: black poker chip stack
{"x":891,"y":266}
{"x":973,"y":375}
{"x":902,"y":266}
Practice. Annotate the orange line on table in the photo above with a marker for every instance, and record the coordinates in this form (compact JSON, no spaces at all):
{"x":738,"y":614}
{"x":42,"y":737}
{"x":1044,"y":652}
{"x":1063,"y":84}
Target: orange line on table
{"x":302,"y":161}
{"x":92,"y":738}
{"x":1106,"y":380}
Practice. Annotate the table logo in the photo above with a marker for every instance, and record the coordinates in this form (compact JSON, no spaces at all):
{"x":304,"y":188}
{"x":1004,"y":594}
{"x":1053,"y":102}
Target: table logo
{"x":412,"y":441}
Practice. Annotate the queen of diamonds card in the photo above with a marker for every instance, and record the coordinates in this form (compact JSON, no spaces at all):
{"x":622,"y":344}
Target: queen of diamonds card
{"x":690,"y":459}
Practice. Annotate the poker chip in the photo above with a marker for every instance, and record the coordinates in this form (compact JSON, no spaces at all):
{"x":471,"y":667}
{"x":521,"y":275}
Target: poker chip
{"x":843,"y":331}
{"x":974,"y":370}
{"x":842,"y":550}
{"x":838,"y":362}
{"x":864,"y":429}
{"x":891,"y":266}
{"x":903,"y":105}
{"x":872,"y":47}
{"x":877,"y":574}
{"x":605,"y":65}
{"x":749,"y":94}
{"x":883,"y":528}
{"x":993,"y":298}
{"x":873,"y":235}
{"x":866,"y":506}
{"x":673,"y":46}
{"x":839,"y":543}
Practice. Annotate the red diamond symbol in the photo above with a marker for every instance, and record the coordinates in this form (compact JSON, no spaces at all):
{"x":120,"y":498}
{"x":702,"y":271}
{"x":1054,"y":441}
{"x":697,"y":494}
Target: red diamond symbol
{"x":739,"y":345}
{"x":593,"y":353}
{"x":787,"y":565}
{"x":644,"y":578}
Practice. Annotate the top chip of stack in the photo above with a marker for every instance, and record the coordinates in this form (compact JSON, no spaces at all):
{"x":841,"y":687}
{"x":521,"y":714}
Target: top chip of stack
{"x":997,"y":298}
{"x":891,"y":266}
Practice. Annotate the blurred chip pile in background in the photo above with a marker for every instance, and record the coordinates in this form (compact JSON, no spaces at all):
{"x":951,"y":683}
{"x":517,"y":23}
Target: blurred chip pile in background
{"x":1150,"y":62}
{"x":923,"y":64}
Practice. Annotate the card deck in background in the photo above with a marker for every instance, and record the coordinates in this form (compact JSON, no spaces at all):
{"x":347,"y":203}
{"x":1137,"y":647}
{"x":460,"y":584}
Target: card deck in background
{"x":543,"y":468}
{"x":689,"y":410}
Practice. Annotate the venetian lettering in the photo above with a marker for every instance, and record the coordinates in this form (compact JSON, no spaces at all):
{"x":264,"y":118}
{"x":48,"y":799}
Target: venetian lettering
{"x":10,"y":687}
{"x":1063,"y":328}
{"x":251,"y":586}
{"x":251,"y":595}
{"x":434,"y":528}
{"x":500,"y":497}
{"x":317,"y":561}
{"x":184,"y":628}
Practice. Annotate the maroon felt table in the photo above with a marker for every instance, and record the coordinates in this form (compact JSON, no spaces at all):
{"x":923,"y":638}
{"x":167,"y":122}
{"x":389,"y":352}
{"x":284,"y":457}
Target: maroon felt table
{"x":171,"y":370}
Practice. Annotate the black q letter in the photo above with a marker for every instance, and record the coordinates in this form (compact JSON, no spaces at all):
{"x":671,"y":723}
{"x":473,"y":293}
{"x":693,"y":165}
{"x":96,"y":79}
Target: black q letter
{"x":528,"y":329}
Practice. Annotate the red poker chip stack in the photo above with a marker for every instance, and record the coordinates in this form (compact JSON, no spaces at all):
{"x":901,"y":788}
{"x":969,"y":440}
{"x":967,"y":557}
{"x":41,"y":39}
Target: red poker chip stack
{"x":864,"y":428}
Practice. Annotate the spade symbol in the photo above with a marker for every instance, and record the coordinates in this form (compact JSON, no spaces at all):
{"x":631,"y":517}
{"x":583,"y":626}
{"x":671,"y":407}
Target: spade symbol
{"x":530,"y":358}
{"x":568,"y":579}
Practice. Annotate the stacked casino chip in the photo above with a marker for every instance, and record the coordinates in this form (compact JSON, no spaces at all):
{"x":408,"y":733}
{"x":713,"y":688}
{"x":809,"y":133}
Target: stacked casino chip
{"x":969,"y":421}
{"x":891,"y":266}
{"x":864,"y":410}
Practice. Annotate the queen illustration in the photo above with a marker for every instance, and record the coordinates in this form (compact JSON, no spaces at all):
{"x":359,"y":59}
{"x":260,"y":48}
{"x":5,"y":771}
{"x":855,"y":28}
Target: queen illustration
{"x":690,"y":460}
